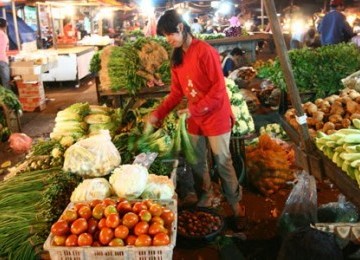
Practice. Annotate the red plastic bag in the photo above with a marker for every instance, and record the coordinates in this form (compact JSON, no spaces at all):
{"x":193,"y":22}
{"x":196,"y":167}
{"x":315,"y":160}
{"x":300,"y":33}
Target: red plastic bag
{"x":20,"y":142}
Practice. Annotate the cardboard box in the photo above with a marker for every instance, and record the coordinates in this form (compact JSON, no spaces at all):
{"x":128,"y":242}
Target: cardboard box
{"x":31,"y":78}
{"x":25,"y":70}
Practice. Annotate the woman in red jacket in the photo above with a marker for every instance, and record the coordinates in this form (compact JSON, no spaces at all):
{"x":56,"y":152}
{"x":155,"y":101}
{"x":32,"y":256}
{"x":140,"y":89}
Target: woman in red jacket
{"x":196,"y":74}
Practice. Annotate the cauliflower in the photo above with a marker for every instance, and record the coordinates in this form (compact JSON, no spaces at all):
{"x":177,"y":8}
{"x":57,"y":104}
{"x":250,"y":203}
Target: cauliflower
{"x":90,"y":189}
{"x":129,"y":180}
{"x":158,"y":187}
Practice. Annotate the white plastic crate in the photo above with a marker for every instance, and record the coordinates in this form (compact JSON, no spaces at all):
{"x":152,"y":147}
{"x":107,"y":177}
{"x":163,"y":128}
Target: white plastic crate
{"x":117,"y":253}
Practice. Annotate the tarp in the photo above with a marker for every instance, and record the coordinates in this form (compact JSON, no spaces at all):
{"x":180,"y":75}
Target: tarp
{"x":27,"y":34}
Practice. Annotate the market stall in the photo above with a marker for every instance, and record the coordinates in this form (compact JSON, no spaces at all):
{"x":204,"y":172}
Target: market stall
{"x":73,"y":64}
{"x":247,"y":43}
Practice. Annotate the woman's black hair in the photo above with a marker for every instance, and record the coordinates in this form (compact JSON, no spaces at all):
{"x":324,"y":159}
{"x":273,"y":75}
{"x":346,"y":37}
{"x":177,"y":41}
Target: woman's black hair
{"x":167,"y":24}
{"x":236,"y":51}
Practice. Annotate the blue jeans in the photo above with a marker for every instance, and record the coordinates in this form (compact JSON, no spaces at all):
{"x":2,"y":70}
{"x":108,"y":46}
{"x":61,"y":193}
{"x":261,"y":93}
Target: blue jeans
{"x":220,"y":148}
{"x":5,"y":74}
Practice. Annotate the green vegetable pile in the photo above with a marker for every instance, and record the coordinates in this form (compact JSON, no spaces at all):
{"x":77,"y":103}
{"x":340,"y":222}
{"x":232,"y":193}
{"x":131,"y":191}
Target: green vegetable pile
{"x":274,"y":130}
{"x":342,"y":147}
{"x":317,"y":70}
{"x":124,"y":63}
{"x":11,"y":102}
{"x":30,"y":203}
{"x":8,"y":98}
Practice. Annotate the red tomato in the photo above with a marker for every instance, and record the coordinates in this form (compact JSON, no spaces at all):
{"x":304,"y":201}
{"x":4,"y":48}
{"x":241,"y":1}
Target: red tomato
{"x":108,"y":201}
{"x":156,"y":228}
{"x":94,"y":202}
{"x":102,"y":223}
{"x":85,"y":212}
{"x":69,"y":215}
{"x":85,"y":239}
{"x":161,"y":239}
{"x":112,"y":220}
{"x":157,"y":219}
{"x":109,"y":210}
{"x":138,"y":206}
{"x":121,"y":231}
{"x":156,"y":209}
{"x":145,"y":215}
{"x":168,"y":217}
{"x":92,"y":225}
{"x":60,"y":228}
{"x":79,"y":226}
{"x":130,"y":219}
{"x":71,"y":240}
{"x":124,"y":207}
{"x":78,"y":205}
{"x":98,"y":211}
{"x":141,"y":228}
{"x":148,"y":203}
{"x":116,"y":242}
{"x":130,"y":240}
{"x":106,"y":235}
{"x":143,"y":240}
{"x":59,"y":240}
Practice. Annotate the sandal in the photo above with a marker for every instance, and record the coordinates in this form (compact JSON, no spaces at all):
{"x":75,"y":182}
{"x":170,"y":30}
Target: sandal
{"x":240,"y":221}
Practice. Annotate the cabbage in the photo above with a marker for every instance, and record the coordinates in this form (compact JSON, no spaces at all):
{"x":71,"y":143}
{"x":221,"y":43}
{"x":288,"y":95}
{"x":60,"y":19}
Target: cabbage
{"x":90,"y":189}
{"x":158,"y":187}
{"x":94,"y":156}
{"x":129,"y":180}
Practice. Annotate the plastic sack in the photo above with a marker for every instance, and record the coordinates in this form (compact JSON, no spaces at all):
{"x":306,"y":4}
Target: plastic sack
{"x":20,"y":142}
{"x":300,"y":208}
{"x":337,"y":212}
{"x":92,"y":157}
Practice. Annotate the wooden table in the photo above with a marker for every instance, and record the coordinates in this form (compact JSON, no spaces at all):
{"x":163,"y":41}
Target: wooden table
{"x":247,"y":43}
{"x":117,"y":98}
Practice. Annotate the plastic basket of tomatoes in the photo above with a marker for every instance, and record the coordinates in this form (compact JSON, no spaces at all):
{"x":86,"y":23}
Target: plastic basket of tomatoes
{"x":114,"y":229}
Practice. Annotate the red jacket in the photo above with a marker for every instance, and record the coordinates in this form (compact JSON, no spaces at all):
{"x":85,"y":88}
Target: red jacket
{"x":201,"y":80}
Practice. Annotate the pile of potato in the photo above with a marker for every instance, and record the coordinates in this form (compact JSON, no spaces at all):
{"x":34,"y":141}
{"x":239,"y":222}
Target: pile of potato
{"x":329,"y":114}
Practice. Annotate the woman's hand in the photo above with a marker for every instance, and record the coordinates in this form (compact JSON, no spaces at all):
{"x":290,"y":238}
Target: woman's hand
{"x":184,"y":111}
{"x":152,"y":120}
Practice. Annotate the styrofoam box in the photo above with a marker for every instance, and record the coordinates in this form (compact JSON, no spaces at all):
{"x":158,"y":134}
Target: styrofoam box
{"x":117,"y":253}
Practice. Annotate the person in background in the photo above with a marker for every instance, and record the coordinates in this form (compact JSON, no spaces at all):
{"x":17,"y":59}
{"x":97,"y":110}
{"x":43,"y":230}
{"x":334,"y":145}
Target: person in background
{"x":296,"y":41}
{"x":4,"y":60}
{"x":196,"y":27}
{"x":310,"y":39}
{"x":334,"y":28}
{"x":70,"y":33}
{"x":209,"y":28}
{"x":232,"y":61}
{"x":196,"y":74}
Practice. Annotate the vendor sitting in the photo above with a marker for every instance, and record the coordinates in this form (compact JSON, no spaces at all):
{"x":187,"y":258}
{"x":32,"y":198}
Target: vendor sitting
{"x":70,"y":32}
{"x":232,"y":61}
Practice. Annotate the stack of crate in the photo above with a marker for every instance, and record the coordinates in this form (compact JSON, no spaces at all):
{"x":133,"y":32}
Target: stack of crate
{"x":30,"y":85}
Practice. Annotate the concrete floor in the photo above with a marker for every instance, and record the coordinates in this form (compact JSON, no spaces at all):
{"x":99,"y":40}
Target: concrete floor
{"x":40,"y":123}
{"x":58,"y":97}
